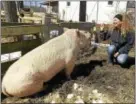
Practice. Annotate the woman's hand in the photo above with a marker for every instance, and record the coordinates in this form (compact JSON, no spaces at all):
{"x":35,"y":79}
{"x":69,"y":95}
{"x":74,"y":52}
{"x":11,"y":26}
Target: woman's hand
{"x":116,"y":54}
{"x":102,"y":27}
{"x":94,"y":28}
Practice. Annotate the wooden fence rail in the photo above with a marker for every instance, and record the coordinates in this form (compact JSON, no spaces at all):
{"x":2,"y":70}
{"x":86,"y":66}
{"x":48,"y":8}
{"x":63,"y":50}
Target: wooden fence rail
{"x":41,"y":31}
{"x":19,"y":30}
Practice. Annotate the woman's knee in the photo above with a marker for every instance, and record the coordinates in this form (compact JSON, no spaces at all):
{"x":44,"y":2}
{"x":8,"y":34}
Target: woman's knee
{"x":122,"y":58}
{"x":111,"y":49}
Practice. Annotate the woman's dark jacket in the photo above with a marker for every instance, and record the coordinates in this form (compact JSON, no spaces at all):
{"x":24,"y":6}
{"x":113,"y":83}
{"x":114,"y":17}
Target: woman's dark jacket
{"x":122,"y":43}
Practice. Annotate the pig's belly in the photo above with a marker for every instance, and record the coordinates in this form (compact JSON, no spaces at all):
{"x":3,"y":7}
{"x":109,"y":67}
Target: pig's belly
{"x":53,"y":70}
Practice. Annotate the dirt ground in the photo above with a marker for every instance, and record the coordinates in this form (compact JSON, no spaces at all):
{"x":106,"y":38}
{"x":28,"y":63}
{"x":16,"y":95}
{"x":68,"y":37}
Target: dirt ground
{"x":93,"y":81}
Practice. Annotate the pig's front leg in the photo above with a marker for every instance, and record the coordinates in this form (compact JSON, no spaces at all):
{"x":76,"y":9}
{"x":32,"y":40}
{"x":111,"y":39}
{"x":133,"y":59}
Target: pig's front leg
{"x":69,"y":68}
{"x":68,"y":77}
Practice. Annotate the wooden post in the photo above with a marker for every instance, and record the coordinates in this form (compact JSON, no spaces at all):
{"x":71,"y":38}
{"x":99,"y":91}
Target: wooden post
{"x":82,"y":12}
{"x":10,"y":11}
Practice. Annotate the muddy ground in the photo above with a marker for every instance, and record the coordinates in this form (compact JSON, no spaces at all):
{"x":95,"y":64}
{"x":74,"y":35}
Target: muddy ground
{"x":93,"y":81}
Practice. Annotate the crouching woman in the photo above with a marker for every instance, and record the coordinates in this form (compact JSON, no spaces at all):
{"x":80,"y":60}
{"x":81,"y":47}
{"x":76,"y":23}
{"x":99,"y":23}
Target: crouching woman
{"x":122,"y":36}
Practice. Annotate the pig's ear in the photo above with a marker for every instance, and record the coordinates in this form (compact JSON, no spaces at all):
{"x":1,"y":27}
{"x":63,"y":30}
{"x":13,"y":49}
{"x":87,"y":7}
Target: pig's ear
{"x":65,"y":29}
{"x":78,"y":33}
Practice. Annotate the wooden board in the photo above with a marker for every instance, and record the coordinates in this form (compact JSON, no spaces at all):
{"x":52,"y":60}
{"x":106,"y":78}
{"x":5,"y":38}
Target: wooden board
{"x":5,"y":66}
{"x":14,"y":24}
{"x":23,"y":46}
{"x":21,"y":30}
{"x":80,"y":25}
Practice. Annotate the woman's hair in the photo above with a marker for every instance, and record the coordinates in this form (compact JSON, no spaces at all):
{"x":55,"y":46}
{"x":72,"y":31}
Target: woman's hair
{"x":126,"y":25}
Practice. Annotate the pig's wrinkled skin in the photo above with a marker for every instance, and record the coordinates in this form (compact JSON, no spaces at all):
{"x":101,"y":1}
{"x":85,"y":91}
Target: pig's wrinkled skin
{"x":27,"y":75}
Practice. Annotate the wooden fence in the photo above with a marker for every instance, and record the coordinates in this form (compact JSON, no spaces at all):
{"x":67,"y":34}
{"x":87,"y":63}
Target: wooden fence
{"x":40,"y":32}
{"x":19,"y":31}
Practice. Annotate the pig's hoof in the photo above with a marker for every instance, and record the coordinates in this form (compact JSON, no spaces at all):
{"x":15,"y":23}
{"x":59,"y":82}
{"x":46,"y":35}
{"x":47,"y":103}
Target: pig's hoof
{"x":69,"y":78}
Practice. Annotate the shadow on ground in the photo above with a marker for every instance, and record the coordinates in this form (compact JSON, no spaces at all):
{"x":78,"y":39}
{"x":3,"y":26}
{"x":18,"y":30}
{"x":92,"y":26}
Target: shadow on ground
{"x":86,"y":68}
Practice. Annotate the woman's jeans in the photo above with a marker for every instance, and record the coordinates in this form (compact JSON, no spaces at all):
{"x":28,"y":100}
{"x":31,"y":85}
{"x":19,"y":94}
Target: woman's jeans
{"x":121,"y":58}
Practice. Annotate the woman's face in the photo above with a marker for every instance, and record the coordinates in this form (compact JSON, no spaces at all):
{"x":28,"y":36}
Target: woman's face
{"x":116,"y":22}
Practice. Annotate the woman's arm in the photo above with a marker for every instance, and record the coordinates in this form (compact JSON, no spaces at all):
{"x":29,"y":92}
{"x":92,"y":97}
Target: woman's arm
{"x":130,"y":41}
{"x":105,"y":34}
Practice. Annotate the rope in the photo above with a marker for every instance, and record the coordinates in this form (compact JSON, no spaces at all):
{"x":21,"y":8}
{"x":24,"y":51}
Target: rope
{"x":74,"y":13}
